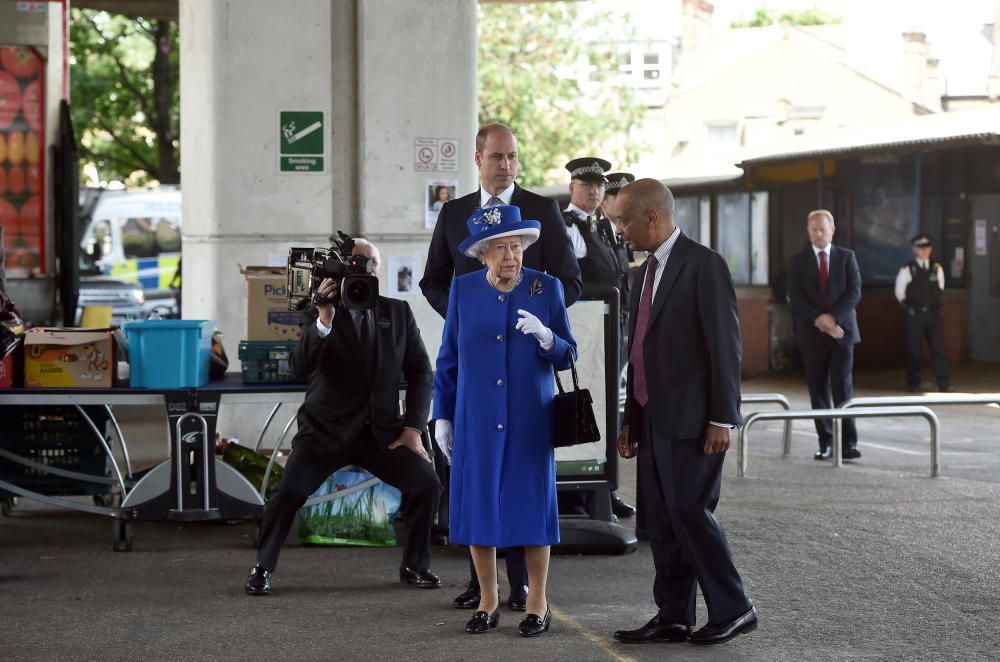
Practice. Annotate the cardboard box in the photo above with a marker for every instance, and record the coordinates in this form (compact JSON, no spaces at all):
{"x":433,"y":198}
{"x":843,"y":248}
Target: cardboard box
{"x":68,"y":358}
{"x":266,"y":306}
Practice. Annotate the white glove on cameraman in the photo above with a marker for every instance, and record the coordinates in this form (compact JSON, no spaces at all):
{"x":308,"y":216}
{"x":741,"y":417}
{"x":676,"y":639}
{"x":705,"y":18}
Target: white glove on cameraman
{"x":444,"y":436}
{"x":531,"y":324}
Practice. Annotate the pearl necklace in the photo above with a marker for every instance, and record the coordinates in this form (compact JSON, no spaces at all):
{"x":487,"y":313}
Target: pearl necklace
{"x":493,"y":282}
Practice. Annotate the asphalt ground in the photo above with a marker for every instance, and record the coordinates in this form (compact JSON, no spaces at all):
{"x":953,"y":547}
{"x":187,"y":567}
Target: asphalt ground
{"x":873,"y":561}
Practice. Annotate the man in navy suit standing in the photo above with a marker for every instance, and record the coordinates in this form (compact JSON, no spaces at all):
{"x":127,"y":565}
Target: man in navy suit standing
{"x":824,"y":287}
{"x":682,"y":402}
{"x":497,"y":160}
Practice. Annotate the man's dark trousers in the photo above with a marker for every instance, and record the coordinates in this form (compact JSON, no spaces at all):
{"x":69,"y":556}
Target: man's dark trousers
{"x":311,"y":463}
{"x":680,"y":489}
{"x":827,"y":365}
{"x":920,"y":324}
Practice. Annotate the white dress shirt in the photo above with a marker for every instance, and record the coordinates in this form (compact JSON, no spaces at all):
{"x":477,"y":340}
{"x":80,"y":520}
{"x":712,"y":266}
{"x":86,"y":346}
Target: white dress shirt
{"x":504,"y":195}
{"x":817,"y":251}
{"x":575,"y":237}
{"x":356,"y":315}
{"x":904,"y":278}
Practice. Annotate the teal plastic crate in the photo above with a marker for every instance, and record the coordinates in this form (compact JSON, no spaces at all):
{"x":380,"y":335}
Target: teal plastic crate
{"x":267,"y":361}
{"x":169,"y":353}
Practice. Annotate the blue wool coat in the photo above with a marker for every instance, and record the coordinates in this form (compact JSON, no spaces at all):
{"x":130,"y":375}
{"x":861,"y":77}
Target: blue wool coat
{"x":495,"y":384}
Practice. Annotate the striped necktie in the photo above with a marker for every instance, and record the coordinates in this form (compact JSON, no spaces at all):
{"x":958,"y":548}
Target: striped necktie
{"x":493,"y":202}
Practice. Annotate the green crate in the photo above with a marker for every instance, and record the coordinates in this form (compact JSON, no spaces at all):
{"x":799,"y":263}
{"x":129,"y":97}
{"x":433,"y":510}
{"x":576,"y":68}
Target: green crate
{"x":267,"y":362}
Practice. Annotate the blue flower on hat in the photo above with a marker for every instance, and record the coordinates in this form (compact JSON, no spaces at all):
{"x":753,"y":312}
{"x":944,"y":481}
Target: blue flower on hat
{"x":495,"y":222}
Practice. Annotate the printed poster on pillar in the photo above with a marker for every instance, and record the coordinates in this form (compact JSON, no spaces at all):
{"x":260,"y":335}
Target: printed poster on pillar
{"x":22,"y":134}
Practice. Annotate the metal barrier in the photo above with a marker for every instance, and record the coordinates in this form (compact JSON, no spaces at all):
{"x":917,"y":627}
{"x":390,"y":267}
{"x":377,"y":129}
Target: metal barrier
{"x":779,"y":399}
{"x":901,"y":400}
{"x":743,"y":446}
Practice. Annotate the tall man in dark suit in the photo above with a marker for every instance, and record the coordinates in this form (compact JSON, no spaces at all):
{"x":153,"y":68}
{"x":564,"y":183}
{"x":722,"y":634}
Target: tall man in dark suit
{"x":353,"y":359}
{"x":683,"y":399}
{"x":824,"y":287}
{"x":497,"y":160}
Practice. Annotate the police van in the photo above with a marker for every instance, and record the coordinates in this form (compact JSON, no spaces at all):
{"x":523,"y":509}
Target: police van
{"x":134,"y":236}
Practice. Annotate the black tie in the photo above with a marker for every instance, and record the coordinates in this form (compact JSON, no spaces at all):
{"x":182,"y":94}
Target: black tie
{"x":365,"y":334}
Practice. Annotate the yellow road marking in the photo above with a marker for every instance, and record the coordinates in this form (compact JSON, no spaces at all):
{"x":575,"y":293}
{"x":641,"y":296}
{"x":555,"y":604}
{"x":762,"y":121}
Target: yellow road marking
{"x":600,"y":641}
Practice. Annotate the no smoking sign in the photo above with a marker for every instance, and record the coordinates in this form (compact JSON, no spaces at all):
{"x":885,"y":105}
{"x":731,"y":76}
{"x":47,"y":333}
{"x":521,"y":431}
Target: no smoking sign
{"x":435,"y":155}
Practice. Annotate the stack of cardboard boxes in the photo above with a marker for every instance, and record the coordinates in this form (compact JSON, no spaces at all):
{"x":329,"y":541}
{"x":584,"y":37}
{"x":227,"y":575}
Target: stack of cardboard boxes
{"x":271,"y":330}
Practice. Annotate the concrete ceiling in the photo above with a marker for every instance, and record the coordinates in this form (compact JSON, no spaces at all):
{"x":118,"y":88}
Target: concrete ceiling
{"x":167,"y":9}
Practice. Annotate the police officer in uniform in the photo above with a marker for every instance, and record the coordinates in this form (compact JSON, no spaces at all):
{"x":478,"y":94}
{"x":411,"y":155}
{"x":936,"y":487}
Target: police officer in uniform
{"x":616,"y":182}
{"x":918,"y":288}
{"x":601,"y":254}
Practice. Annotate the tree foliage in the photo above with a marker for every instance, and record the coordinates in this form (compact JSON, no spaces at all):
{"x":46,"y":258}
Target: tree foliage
{"x":763,"y":17}
{"x":125,"y":95}
{"x":530,"y":58}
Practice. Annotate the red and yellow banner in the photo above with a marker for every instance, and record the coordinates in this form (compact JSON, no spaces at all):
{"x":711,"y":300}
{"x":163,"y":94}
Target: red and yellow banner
{"x":22,"y":162}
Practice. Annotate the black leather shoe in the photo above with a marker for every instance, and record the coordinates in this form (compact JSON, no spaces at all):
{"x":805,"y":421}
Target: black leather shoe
{"x":656,"y":630}
{"x":720,"y":634}
{"x":533,"y":625}
{"x":482,"y":622}
{"x":947,"y":388}
{"x":850,"y":453}
{"x":823,"y":454}
{"x":259,"y":581}
{"x":621,"y":509}
{"x":421,"y":577}
{"x":914,"y":388}
{"x":518,"y":599}
{"x":468,"y":599}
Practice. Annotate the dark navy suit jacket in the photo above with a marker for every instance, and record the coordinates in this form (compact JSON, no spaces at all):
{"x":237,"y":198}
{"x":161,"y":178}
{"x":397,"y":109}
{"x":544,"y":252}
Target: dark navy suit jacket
{"x":552,"y":253}
{"x":842,"y":298}
{"x":692,"y":350}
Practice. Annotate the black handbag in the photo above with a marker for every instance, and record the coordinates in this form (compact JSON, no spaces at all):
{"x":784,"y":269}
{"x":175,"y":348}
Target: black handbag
{"x":573,"y":414}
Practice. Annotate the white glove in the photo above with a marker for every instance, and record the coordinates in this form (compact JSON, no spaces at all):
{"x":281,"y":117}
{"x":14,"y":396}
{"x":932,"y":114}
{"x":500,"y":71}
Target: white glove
{"x":531,"y":324}
{"x":444,"y":437}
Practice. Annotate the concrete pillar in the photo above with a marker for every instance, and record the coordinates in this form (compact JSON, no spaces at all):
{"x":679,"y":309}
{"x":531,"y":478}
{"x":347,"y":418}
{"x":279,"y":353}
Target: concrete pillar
{"x":386,"y":72}
{"x":417,"y":80}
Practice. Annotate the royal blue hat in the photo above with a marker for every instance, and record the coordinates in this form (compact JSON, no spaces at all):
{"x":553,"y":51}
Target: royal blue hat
{"x":494,"y":222}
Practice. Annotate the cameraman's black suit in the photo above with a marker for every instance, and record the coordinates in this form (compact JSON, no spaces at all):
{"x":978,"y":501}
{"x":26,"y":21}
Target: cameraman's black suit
{"x":351,"y":415}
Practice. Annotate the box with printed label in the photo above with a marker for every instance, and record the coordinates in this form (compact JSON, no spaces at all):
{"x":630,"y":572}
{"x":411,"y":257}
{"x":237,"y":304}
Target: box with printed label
{"x":68,"y":358}
{"x":266,"y":306}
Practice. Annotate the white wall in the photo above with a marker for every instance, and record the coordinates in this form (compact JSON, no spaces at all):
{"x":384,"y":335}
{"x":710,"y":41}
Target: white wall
{"x":386,"y":71}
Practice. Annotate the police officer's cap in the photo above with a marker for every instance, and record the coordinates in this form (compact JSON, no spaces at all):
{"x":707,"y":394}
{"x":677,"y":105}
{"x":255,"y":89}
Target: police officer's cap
{"x":921,"y":241}
{"x":589,"y":168}
{"x":619,"y":180}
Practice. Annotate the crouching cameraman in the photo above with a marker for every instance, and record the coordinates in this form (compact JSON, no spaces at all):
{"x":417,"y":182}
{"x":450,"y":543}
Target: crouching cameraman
{"x":353,"y":359}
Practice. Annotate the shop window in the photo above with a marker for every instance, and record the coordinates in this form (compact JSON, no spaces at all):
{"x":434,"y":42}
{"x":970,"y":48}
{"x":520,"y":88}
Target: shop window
{"x":743,"y":238}
{"x":693,"y":215}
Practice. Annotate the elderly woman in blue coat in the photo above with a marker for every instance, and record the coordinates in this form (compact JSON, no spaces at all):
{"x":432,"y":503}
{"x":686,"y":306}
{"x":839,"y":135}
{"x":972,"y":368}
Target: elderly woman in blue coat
{"x":505,"y":330}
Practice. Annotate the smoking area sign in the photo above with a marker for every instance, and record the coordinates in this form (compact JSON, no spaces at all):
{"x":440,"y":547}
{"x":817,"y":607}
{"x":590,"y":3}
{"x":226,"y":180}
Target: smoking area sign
{"x":301,"y":140}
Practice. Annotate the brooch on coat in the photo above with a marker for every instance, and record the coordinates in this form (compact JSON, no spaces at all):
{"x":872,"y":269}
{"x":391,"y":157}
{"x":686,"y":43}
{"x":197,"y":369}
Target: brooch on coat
{"x":536,"y":288}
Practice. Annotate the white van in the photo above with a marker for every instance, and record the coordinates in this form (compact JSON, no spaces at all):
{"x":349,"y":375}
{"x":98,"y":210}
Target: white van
{"x":135,"y":237}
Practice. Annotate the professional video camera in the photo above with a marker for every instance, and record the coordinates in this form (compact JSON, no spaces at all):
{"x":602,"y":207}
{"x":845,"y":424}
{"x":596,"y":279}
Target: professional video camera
{"x":307,"y":267}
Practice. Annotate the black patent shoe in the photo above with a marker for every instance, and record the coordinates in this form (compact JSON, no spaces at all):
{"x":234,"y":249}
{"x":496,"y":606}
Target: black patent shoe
{"x":419,"y":577}
{"x":621,"y":509}
{"x":533,"y":626}
{"x":469,"y":598}
{"x":482,"y":622}
{"x":518,"y":600}
{"x":655,"y":631}
{"x":824,"y":453}
{"x":718,"y":634}
{"x":259,"y":581}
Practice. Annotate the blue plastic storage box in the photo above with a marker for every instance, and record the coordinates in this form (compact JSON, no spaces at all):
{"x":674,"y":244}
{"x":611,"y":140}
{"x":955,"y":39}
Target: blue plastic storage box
{"x":169,"y":353}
